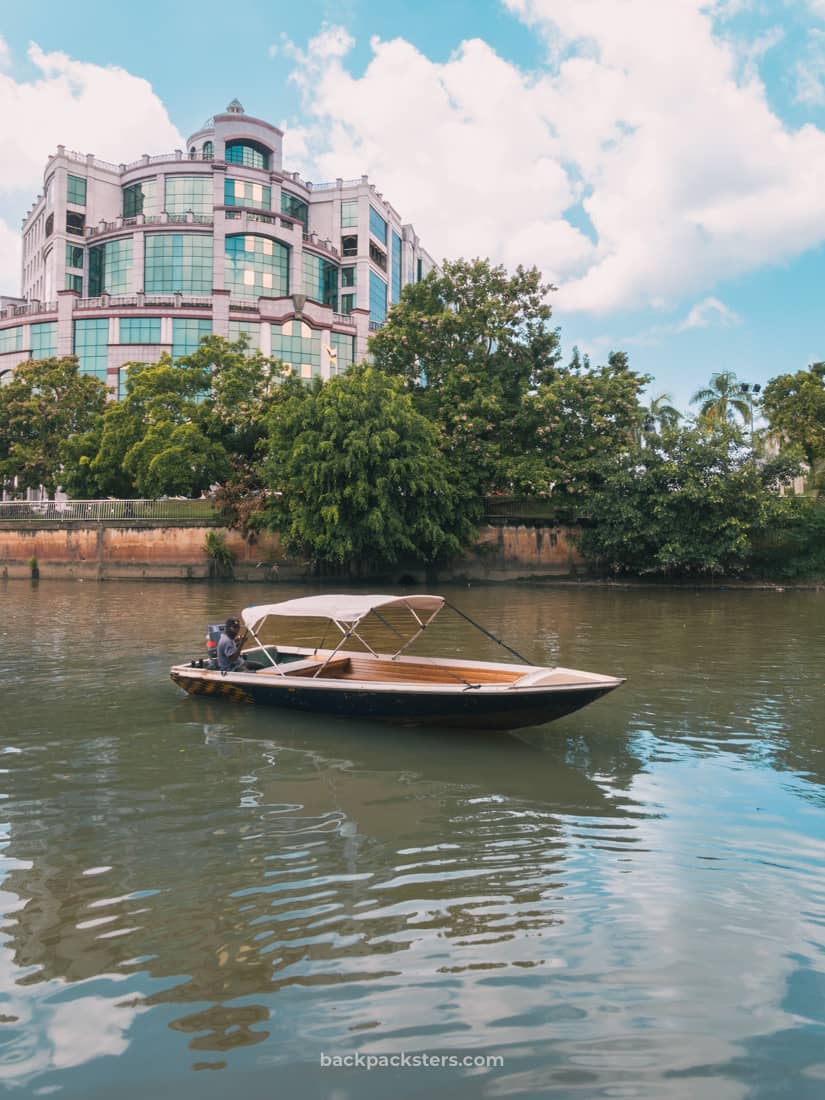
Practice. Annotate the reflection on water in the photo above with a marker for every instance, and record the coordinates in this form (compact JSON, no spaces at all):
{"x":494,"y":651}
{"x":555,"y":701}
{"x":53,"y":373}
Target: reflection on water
{"x":626,"y":902}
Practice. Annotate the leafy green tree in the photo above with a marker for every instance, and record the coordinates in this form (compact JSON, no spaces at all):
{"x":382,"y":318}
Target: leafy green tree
{"x":155,"y":441}
{"x":722,"y":401}
{"x":691,"y":502}
{"x":45,"y":402}
{"x":571,"y":431}
{"x":470,"y":342}
{"x":794,"y":405}
{"x":356,"y":473}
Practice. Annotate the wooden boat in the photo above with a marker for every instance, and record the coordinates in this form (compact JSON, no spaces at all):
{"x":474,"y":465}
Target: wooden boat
{"x":364,"y":683}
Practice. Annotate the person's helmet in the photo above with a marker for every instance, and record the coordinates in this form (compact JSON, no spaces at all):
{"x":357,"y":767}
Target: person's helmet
{"x":233,"y":620}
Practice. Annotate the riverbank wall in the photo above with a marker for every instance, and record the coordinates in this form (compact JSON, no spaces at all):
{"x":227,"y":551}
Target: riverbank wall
{"x":128,"y":550}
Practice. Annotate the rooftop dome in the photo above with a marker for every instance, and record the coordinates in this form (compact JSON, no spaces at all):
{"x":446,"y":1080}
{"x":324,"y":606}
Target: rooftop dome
{"x":235,"y":108}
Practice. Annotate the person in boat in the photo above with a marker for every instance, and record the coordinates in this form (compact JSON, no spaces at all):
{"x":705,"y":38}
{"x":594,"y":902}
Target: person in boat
{"x":230,"y":645}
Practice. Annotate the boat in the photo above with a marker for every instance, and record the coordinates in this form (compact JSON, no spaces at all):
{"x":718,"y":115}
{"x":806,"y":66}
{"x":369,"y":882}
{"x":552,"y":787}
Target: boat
{"x":391,"y":686}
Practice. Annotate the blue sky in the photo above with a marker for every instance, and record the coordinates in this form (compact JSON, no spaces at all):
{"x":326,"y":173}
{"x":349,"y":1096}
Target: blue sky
{"x":661,"y":162}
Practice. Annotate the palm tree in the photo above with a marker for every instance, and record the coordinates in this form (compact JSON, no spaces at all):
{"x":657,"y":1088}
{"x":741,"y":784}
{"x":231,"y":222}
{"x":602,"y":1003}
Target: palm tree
{"x":660,"y":413}
{"x":723,"y":400}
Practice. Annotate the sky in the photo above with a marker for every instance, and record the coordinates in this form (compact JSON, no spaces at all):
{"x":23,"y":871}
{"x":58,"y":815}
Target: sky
{"x":661,"y":161}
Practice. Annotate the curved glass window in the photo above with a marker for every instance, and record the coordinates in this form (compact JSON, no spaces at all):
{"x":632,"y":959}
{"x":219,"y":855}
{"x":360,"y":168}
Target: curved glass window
{"x":208,"y":150}
{"x":141,"y":198}
{"x":249,"y":153}
{"x":298,"y":346}
{"x":246,"y":193}
{"x":140,"y":330}
{"x":256,"y":267}
{"x":321,"y":280}
{"x":110,"y":266}
{"x":11,"y":339}
{"x":396,"y":267}
{"x":44,"y":340}
{"x":178,"y":262}
{"x":187,"y":335}
{"x":184,"y":193}
{"x":343,"y":347}
{"x":295,"y":208}
{"x":91,"y":346}
{"x":250,"y":329}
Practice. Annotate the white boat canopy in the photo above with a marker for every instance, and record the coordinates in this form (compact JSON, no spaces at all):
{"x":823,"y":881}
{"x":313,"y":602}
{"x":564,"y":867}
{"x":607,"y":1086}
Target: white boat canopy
{"x":343,"y":609}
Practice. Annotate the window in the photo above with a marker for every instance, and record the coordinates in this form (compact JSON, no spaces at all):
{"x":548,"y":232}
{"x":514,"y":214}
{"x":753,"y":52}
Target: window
{"x":74,"y":282}
{"x":76,"y":190}
{"x":74,"y":256}
{"x":91,"y":339}
{"x":256,"y":267}
{"x":419,"y":275}
{"x":141,"y":198}
{"x":140,"y":330}
{"x":349,"y":213}
{"x":347,"y":303}
{"x":295,"y":208}
{"x":298,"y":346}
{"x":250,"y":329}
{"x":49,"y":225}
{"x":245,"y":193}
{"x":396,"y":267}
{"x":347,"y":276}
{"x":378,"y":227}
{"x":321,"y":280}
{"x":344,"y":346}
{"x":11,"y":339}
{"x":208,"y":150}
{"x":377,"y":256}
{"x":185,"y":193}
{"x":349,"y":246}
{"x":75,"y":223}
{"x":110,"y":266}
{"x":249,"y":153}
{"x":178,"y":262}
{"x":44,"y":340}
{"x":187,"y":335}
{"x":378,"y":298}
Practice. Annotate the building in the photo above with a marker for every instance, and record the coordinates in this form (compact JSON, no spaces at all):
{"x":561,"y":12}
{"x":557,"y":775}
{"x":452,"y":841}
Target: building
{"x":122,"y":262}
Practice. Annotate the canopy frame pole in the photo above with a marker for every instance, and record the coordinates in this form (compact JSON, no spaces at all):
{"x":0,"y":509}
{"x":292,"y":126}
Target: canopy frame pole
{"x":498,"y":641}
{"x":421,"y":628}
{"x":268,"y":655}
{"x":346,"y":635}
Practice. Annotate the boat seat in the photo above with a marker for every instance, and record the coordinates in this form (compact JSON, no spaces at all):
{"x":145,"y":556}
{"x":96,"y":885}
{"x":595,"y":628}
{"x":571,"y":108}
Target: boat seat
{"x":334,"y":668}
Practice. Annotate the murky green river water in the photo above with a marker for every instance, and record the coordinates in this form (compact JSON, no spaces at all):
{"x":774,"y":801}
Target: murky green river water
{"x":200,"y":900}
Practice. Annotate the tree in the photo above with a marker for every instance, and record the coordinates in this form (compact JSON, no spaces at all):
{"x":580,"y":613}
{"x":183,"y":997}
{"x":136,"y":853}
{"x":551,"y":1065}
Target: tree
{"x":660,"y":415}
{"x":794,"y":405}
{"x":572,"y":430}
{"x":155,"y":441}
{"x":356,"y":473}
{"x":689,"y":502}
{"x":45,"y":402}
{"x":469,"y":343}
{"x":722,"y":401}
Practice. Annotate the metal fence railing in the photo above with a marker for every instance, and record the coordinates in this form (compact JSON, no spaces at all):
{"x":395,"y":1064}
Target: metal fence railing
{"x":106,"y":511}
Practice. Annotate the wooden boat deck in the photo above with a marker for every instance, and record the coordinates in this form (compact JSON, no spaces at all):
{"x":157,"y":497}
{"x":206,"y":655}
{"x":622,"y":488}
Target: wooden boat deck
{"x":372,"y":670}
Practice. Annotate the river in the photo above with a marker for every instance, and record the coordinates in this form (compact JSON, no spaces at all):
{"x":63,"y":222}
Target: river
{"x":200,"y":899}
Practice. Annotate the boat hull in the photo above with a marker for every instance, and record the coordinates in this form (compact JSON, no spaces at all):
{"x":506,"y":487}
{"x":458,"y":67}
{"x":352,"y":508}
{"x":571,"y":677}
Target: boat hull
{"x":471,"y":708}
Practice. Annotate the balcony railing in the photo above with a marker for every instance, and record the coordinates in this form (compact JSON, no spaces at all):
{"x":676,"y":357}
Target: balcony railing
{"x":30,"y":309}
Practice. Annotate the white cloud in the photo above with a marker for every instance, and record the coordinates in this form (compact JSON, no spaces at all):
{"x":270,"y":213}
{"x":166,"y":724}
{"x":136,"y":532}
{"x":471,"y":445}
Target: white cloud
{"x":643,"y":114}
{"x":105,"y":111}
{"x":809,"y":71}
{"x":708,"y":312}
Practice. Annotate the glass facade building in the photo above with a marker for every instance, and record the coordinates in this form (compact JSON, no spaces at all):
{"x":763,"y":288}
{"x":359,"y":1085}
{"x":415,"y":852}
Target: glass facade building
{"x":156,"y":253}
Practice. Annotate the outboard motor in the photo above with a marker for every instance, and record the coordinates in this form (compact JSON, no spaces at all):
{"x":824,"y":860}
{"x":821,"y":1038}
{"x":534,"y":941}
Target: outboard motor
{"x":213,"y":633}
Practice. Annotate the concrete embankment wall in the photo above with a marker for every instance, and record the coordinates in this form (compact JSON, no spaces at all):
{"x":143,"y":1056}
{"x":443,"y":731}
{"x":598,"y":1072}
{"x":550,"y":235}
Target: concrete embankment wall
{"x":120,"y":551}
